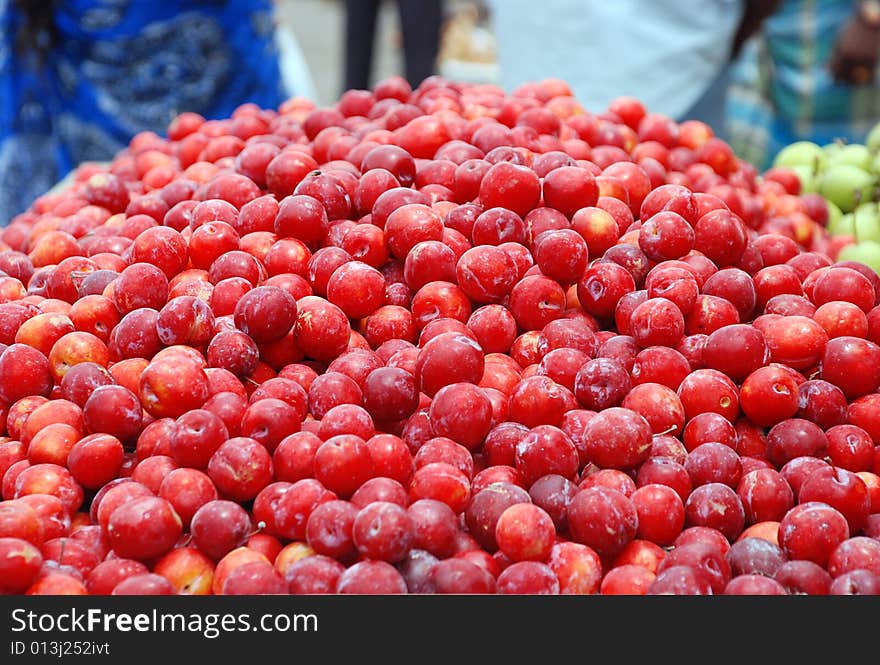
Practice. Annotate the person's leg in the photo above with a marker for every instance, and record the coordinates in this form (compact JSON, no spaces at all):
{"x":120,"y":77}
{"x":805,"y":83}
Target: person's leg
{"x":420,"y":22}
{"x":360,"y":30}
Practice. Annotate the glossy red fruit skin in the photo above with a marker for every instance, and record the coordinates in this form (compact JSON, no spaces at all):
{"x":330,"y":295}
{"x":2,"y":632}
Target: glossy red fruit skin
{"x":701,"y":557}
{"x":765,"y":495}
{"x":543,"y":450}
{"x":462,"y":412}
{"x":811,"y":531}
{"x":601,"y":383}
{"x":143,"y":528}
{"x":511,"y":186}
{"x":736,"y":350}
{"x":768,"y":396}
{"x":853,"y":365}
{"x":657,"y":322}
{"x":446,"y":359}
{"x":665,"y":236}
{"x":709,"y":391}
{"x":383,"y":531}
{"x":602,"y":286}
{"x":371,"y":577}
{"x":717,"y":506}
{"x":603,"y":519}
{"x":850,"y":447}
{"x":721,"y":236}
{"x":23,"y":371}
{"x":617,"y":438}
{"x":841,"y":489}
{"x":265,"y":313}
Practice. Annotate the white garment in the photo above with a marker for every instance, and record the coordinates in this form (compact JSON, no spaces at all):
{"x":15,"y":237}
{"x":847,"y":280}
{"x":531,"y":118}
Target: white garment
{"x":295,"y":74}
{"x":666,"y":53}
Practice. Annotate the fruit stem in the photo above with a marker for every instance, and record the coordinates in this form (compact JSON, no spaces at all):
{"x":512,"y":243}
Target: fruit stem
{"x":855,"y":218}
{"x":258,"y":527}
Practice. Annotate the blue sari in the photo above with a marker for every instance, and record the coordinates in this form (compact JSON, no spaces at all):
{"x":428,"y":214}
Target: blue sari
{"x":119,"y":67}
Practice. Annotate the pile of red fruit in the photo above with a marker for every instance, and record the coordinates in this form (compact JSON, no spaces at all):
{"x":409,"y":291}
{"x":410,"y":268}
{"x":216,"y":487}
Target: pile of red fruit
{"x":436,"y":340}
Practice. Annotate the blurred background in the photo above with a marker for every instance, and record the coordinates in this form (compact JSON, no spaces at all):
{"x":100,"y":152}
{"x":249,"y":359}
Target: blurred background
{"x":467,"y":44}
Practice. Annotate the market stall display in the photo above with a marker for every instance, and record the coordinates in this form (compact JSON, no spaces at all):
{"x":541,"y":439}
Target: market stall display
{"x":442,"y":340}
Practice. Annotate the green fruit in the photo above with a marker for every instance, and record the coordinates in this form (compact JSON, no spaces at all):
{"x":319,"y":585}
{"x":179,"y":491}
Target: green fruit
{"x":872,"y":140}
{"x":867,"y":209}
{"x":865,"y":251}
{"x":842,"y":226}
{"x":801,"y":153}
{"x":831,"y":149}
{"x":846,"y":186}
{"x":851,"y":153}
{"x":866,"y":222}
{"x":834,"y":213}
{"x":807,"y":176}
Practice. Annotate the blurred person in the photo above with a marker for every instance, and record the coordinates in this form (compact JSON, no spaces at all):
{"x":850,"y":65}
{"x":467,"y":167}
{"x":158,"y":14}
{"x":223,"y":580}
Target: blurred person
{"x":672,"y":55}
{"x":809,"y":74}
{"x":420,"y":24}
{"x":79,"y":78}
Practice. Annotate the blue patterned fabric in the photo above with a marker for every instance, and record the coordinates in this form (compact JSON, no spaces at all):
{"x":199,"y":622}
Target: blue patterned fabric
{"x":783,"y":90}
{"x":120,"y":67}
